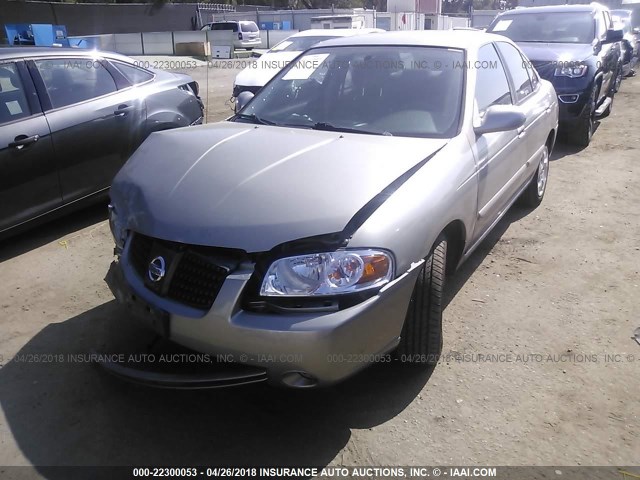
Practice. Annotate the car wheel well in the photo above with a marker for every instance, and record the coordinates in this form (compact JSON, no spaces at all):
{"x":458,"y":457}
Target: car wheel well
{"x":551,"y":141}
{"x":455,"y":235}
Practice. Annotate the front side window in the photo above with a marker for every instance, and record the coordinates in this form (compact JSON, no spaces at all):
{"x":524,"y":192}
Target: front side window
{"x":492,"y":87}
{"x":399,"y":91}
{"x":533,"y":75}
{"x":517,"y":69}
{"x":553,"y":27}
{"x":74,"y":80}
{"x":13,"y":100}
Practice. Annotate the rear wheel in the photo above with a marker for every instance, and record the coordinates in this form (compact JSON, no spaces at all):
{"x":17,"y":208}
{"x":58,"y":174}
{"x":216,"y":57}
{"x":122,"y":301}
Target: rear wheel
{"x":421,"y":338}
{"x":534,"y":193}
{"x":581,"y":133}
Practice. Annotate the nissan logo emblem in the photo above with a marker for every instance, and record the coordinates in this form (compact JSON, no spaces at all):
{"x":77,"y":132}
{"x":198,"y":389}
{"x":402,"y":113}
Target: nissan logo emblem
{"x":156,"y":269}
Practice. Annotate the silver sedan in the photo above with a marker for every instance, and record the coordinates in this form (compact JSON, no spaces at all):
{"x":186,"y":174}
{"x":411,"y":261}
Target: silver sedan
{"x":310,"y":234}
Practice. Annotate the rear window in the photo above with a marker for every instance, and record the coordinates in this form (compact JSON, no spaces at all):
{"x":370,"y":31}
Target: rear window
{"x":248,"y":27}
{"x":135,"y":75}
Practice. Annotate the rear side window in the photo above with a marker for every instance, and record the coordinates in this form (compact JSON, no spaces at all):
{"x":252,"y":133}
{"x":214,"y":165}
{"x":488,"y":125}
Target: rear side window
{"x":74,"y":80}
{"x":492,"y":87}
{"x":248,"y":27}
{"x":517,"y":69}
{"x":13,"y":101}
{"x":533,"y":75}
{"x":225,"y":26}
{"x":135,"y":75}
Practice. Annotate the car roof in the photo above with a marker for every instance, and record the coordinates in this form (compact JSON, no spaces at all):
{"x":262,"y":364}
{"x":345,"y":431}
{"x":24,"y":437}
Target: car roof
{"x":591,"y":7}
{"x":459,"y":39}
{"x":27,"y":52}
{"x":335,"y":32}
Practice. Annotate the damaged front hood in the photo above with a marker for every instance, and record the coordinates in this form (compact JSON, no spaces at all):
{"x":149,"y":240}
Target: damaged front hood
{"x":253,"y":187}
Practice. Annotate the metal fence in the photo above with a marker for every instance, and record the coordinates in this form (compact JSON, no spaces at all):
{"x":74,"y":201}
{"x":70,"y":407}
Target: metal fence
{"x":164,"y":43}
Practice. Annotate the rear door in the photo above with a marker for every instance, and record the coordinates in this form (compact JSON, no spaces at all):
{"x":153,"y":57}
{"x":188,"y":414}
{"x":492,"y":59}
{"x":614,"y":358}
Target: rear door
{"x":499,"y":154}
{"x":528,"y":96}
{"x":94,"y":120}
{"x":29,"y":183}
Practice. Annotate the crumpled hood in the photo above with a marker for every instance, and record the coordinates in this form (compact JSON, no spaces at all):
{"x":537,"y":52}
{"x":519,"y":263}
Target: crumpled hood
{"x":251,"y":187}
{"x":556,"y":52}
{"x":265,"y":69}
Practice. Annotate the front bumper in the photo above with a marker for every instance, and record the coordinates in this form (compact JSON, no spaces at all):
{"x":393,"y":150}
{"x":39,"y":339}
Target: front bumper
{"x":295,"y":349}
{"x":570,"y":111}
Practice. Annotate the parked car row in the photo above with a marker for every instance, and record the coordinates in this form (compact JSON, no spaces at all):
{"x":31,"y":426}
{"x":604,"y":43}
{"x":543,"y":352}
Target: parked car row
{"x":624,"y":20}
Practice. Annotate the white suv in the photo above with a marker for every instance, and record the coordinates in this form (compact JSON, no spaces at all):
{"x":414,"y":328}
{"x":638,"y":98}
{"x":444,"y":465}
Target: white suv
{"x":248,"y":32}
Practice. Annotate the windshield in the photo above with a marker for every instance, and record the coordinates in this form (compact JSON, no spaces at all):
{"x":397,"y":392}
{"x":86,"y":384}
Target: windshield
{"x":552,"y":27}
{"x":298,"y":44}
{"x":399,"y":90}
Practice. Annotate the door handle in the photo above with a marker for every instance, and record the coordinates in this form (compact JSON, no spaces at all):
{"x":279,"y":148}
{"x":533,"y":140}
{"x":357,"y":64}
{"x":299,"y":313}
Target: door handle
{"x":521,"y":132}
{"x":122,"y":110}
{"x":22,"y":141}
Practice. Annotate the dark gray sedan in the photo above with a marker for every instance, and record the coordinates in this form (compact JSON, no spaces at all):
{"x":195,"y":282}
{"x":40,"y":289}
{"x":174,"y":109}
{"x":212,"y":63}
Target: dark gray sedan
{"x":69,"y":119}
{"x":311,"y":234}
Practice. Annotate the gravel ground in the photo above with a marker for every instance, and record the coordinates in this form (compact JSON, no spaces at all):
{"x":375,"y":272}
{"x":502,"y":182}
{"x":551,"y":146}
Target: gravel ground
{"x":539,"y":366}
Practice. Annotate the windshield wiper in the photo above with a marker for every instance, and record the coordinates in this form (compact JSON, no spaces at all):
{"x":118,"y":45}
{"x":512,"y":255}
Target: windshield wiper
{"x":255,"y":119}
{"x":333,"y":128}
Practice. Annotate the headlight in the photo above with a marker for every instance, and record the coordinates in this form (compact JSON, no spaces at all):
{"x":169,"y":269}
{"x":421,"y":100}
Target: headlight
{"x":571,"y":70}
{"x":344,"y":271}
{"x":117,"y":229}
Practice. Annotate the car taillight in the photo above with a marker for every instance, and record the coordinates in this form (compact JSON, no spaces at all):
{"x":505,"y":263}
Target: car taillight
{"x":239,"y":36}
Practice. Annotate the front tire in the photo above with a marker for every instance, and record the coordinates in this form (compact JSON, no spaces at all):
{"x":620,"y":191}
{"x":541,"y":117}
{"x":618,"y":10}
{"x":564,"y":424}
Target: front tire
{"x":581,"y":133}
{"x":421,"y":337}
{"x":534,"y":193}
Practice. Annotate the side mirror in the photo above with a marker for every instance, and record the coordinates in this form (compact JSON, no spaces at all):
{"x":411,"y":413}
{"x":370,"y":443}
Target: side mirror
{"x":613,"y":36}
{"x":242,"y":100}
{"x":500,"y":118}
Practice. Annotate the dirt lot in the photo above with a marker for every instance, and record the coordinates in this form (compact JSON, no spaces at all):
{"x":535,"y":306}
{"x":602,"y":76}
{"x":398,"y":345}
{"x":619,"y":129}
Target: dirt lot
{"x":525,"y":379}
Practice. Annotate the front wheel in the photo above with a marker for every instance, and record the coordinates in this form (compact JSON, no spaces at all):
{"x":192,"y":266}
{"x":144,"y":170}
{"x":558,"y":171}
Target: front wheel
{"x":421,"y":337}
{"x":534,"y":193}
{"x":618,"y":81}
{"x":581,"y":133}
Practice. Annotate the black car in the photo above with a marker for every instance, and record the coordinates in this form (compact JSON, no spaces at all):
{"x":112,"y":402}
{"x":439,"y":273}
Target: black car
{"x":623,"y":19}
{"x":70,"y":118}
{"x":576,"y":48}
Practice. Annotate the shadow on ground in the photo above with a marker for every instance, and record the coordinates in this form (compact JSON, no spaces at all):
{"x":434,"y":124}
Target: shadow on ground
{"x":50,"y":229}
{"x":70,"y":413}
{"x":63,"y":412}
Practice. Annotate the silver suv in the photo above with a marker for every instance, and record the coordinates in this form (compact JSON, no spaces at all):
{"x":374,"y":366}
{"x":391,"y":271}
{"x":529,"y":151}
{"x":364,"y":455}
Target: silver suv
{"x":247,"y":33}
